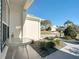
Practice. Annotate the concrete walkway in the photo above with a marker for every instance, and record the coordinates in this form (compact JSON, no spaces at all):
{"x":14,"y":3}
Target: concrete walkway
{"x":71,"y":51}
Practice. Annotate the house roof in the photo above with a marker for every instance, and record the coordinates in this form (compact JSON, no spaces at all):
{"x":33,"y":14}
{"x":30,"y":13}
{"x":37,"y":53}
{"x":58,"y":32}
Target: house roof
{"x":33,"y":18}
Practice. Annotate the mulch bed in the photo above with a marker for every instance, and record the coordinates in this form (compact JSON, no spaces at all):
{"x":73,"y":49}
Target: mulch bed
{"x":44,"y":53}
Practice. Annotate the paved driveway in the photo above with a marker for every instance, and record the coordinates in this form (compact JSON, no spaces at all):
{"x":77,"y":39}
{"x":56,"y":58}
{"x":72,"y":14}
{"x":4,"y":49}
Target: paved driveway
{"x":71,"y":51}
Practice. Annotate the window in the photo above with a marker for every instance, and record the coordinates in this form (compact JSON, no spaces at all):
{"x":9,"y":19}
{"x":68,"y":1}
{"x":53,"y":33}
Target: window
{"x":5,"y":35}
{"x":4,"y":28}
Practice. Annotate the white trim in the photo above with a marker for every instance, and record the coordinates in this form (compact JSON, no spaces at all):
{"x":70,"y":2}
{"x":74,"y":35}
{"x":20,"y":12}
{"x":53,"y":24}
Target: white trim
{"x":5,"y":23}
{"x":33,"y":18}
{"x":28,"y":4}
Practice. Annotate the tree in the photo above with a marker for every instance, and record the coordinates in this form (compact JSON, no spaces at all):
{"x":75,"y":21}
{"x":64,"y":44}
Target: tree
{"x":45,"y":24}
{"x":68,"y":23}
{"x":48,"y":29}
{"x":70,"y":32}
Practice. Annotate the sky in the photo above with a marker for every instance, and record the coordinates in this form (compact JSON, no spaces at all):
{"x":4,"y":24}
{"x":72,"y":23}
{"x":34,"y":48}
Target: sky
{"x":57,"y":11}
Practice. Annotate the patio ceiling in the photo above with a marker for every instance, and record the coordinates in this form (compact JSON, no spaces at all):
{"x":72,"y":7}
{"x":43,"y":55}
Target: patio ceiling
{"x":24,"y":4}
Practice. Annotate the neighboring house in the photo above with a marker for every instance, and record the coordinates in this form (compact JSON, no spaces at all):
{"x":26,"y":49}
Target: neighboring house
{"x":54,"y":31}
{"x":31,"y":28}
{"x":12,"y":18}
{"x":53,"y":28}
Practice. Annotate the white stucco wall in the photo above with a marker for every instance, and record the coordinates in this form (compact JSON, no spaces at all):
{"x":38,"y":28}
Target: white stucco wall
{"x":5,"y":18}
{"x":31,"y":29}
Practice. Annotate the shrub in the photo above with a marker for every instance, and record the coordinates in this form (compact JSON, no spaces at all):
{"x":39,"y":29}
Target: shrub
{"x":45,"y":45}
{"x":70,"y":32}
{"x":50,"y":44}
{"x":32,"y":42}
{"x":56,"y":41}
{"x":73,"y":34}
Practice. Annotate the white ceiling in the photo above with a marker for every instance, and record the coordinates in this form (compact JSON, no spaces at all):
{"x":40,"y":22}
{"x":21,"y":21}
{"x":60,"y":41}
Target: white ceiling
{"x":19,"y":3}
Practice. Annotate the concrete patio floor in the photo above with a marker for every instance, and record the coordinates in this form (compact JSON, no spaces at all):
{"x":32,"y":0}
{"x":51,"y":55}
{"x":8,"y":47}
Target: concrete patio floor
{"x":64,"y":53}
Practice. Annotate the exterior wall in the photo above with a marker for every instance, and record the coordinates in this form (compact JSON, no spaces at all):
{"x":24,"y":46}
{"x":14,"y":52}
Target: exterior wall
{"x":4,"y":22}
{"x":4,"y":15}
{"x":5,"y":12}
{"x":31,"y":30}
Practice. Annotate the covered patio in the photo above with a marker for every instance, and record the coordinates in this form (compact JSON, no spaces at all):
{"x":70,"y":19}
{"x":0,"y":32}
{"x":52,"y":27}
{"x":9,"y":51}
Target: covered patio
{"x":63,"y":53}
{"x":13,"y":14}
